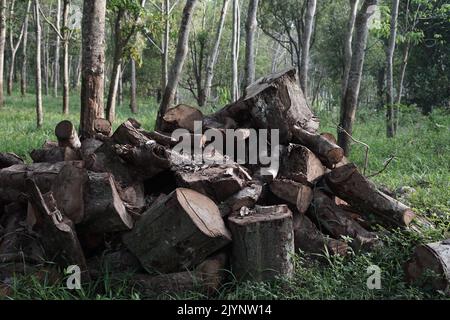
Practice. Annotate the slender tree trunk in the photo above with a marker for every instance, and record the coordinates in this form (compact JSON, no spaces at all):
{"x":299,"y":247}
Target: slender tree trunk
{"x":250,"y":27}
{"x":66,"y":76}
{"x":235,"y":50}
{"x":57,"y":49}
{"x":39,"y":111}
{"x":350,"y":101}
{"x":348,"y":44}
{"x":180,"y":57}
{"x":93,"y":65}
{"x":14,"y":47}
{"x":79,"y":67}
{"x":2,"y":46}
{"x":46,"y":59}
{"x":215,"y":53}
{"x":23,"y":78}
{"x":165,"y":46}
{"x":400,"y":85}
{"x":133,"y":102}
{"x":390,"y":130}
{"x":306,"y":43}
{"x":120,"y":87}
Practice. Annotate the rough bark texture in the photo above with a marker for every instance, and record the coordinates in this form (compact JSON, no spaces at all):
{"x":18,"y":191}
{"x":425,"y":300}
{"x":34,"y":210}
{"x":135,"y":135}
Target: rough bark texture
{"x":54,"y":155}
{"x":294,"y":193}
{"x":180,"y":56}
{"x":348,"y":184}
{"x":93,"y":61}
{"x":179,"y":231}
{"x":263,"y":243}
{"x":250,"y":28}
{"x":350,"y":100}
{"x":306,"y":43}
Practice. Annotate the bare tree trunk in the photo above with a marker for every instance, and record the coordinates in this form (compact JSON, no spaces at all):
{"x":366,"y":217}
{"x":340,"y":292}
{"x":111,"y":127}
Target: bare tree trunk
{"x":120,"y":86}
{"x":215,"y":52}
{"x":66,"y":76}
{"x":2,"y":45}
{"x":235,"y":50}
{"x":23,"y":78}
{"x":180,"y":56}
{"x":133,"y":103}
{"x":57,"y":48}
{"x":348,"y":44}
{"x":350,"y":101}
{"x":79,"y":67}
{"x":165,"y":46}
{"x":390,"y":133}
{"x":14,"y":47}
{"x":400,"y":85}
{"x":306,"y":43}
{"x":46,"y":58}
{"x":250,"y":26}
{"x":93,"y":65}
{"x":39,"y":112}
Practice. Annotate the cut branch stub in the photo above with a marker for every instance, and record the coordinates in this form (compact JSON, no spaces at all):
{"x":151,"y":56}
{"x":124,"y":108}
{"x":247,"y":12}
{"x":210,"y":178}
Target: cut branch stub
{"x":347,"y":183}
{"x":67,"y":135}
{"x":179,"y":231}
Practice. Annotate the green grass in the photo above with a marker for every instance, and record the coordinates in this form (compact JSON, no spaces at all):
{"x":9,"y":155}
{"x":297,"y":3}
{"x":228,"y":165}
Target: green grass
{"x":422,"y":161}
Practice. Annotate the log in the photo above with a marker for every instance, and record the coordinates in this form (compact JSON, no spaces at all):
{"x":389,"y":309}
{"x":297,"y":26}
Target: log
{"x":8,"y":159}
{"x":295,"y":193}
{"x":300,"y":163}
{"x":247,"y":197}
{"x":347,"y":183}
{"x":129,"y":132}
{"x":67,"y":135}
{"x":216,"y":182}
{"x":181,"y":117}
{"x":272,"y":102}
{"x":104,"y":211}
{"x":120,"y":261}
{"x":310,"y":240}
{"x":263,"y":243}
{"x":54,"y":155}
{"x":177,"y":232}
{"x":88,"y":147}
{"x":430,"y":265}
{"x":103,"y":127}
{"x":57,"y":233}
{"x":337,"y":223}
{"x":328,"y":152}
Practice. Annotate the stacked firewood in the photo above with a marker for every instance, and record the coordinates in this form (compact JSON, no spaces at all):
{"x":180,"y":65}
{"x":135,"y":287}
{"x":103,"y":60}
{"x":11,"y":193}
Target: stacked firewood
{"x":123,"y":199}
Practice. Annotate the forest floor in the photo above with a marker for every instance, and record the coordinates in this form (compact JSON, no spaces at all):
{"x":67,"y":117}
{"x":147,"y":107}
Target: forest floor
{"x":422,"y":162}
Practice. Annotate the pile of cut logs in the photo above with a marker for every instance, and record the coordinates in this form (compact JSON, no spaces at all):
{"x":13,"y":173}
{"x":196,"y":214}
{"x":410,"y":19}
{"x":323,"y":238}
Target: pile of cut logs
{"x":119,"y":202}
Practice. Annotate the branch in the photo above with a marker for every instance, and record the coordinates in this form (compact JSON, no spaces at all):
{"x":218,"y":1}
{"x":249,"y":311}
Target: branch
{"x":149,"y":38}
{"x":366,"y":146}
{"x":51,"y":25}
{"x":386,"y":164}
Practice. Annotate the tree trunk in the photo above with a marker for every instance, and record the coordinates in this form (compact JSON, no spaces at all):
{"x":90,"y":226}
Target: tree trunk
{"x":348,"y":45}
{"x":46,"y":58}
{"x":263,"y":244}
{"x":350,"y":100}
{"x":250,"y":26}
{"x":165,"y":46}
{"x":390,"y":128}
{"x":2,"y":46}
{"x":400,"y":84}
{"x":235,"y":50}
{"x":23,"y":78}
{"x":133,"y":102}
{"x":39,"y":112}
{"x":306,"y":43}
{"x":13,"y":50}
{"x":93,"y":65}
{"x":180,"y":56}
{"x":215,"y":52}
{"x":57,"y":49}
{"x":66,"y":76}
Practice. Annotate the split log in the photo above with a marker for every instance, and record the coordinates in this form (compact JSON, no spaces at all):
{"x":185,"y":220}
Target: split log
{"x":133,"y":197}
{"x":337,"y":223}
{"x":12,"y":179}
{"x":299,"y":163}
{"x":217,"y":182}
{"x":54,"y":155}
{"x":104,"y":211}
{"x":181,"y":117}
{"x":179,"y":231}
{"x":9,"y":159}
{"x":295,"y":193}
{"x":57,"y":233}
{"x":431,"y":265}
{"x":328,"y":152}
{"x":309,"y":239}
{"x":67,"y":135}
{"x":161,"y":138}
{"x":88,"y":147}
{"x":246,"y":197}
{"x":129,"y":132}
{"x":347,"y":183}
{"x":103,"y":127}
{"x":263,"y":243}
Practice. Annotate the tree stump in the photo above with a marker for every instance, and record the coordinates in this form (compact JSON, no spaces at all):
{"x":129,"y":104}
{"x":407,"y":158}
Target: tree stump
{"x":263,"y":243}
{"x":177,"y":232}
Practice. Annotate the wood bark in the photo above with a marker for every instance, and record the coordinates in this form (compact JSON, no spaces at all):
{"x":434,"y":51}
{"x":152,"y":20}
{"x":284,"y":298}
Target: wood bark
{"x":2,"y":46}
{"x":23,"y":77}
{"x":263,"y":243}
{"x":54,"y":155}
{"x":181,"y":117}
{"x":348,"y":44}
{"x":93,"y":64}
{"x":67,"y":135}
{"x":177,"y":66}
{"x":300,"y":164}
{"x":179,"y":231}
{"x":235,"y":50}
{"x":38,"y":79}
{"x":350,"y":100}
{"x":306,"y":43}
{"x":57,"y":50}
{"x":294,"y":193}
{"x":250,"y":28}
{"x":133,"y":101}
{"x":430,"y":265}
{"x":348,"y":184}
{"x":247,"y":197}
